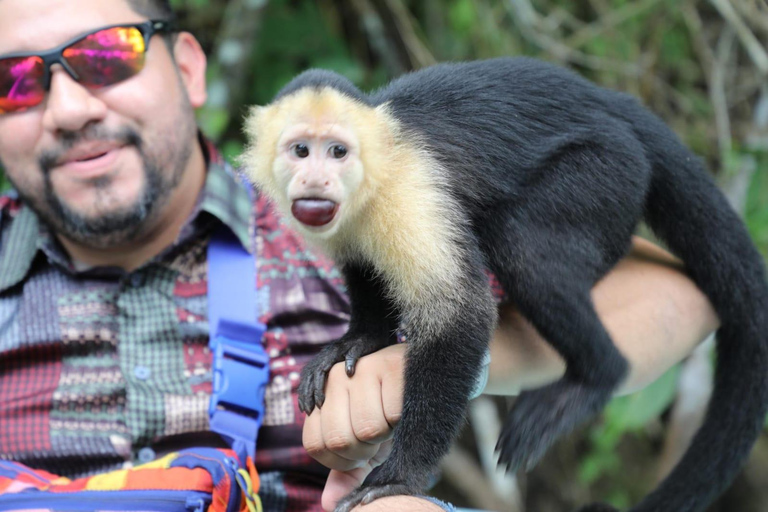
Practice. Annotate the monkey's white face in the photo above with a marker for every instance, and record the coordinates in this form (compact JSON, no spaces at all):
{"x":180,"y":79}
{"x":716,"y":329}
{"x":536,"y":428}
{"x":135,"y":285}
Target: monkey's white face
{"x":318,"y":166}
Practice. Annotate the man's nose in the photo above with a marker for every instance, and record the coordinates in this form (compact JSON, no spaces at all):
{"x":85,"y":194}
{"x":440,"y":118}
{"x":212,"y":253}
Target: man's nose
{"x":70,"y":106}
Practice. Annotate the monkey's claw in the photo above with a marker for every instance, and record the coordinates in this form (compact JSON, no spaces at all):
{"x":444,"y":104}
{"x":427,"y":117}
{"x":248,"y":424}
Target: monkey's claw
{"x":314,"y":374}
{"x":365,"y":495}
{"x":538,"y":418}
{"x":311,"y":386}
{"x":349,"y":348}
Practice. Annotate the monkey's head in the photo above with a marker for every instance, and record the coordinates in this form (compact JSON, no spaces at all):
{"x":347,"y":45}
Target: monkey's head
{"x":317,"y":152}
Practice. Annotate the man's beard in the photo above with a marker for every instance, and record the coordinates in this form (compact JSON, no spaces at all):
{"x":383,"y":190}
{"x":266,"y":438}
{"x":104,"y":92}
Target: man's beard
{"x":118,"y":226}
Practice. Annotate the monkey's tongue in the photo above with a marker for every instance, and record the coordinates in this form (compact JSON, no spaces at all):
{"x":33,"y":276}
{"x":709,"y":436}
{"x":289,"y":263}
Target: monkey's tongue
{"x":314,"y":212}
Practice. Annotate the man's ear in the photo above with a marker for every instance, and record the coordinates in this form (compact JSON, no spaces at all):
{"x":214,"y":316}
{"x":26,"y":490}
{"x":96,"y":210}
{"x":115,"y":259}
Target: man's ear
{"x":191,"y":63}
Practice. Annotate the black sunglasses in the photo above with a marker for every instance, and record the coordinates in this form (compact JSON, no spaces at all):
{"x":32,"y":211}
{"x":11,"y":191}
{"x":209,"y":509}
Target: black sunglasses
{"x":102,"y":57}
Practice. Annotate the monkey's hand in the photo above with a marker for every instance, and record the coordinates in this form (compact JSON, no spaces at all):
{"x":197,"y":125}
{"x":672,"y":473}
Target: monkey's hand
{"x":349,"y":348}
{"x":352,"y":433}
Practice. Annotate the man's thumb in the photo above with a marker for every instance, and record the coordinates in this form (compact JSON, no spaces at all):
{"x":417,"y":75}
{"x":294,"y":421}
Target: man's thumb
{"x":341,"y":483}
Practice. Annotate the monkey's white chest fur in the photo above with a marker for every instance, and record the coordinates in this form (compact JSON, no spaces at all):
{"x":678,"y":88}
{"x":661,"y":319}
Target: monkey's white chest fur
{"x":410,"y":233}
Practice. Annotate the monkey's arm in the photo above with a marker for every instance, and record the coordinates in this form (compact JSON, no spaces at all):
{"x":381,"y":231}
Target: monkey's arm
{"x":653,"y":311}
{"x":655,"y":314}
{"x":373,"y":325}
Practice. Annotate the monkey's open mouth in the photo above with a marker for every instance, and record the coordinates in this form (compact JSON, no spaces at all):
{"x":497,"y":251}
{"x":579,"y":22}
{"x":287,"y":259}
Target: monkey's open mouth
{"x":314,"y":212}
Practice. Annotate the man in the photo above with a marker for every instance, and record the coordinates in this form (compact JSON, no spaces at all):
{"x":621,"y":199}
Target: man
{"x":103,"y":331}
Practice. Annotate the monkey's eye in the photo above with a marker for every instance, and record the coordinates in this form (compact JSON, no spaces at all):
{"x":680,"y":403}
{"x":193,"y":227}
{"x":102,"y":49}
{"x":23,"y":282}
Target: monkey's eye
{"x":301,"y":150}
{"x":338,"y":151}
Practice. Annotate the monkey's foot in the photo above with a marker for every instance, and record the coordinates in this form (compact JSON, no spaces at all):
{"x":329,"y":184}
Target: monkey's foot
{"x":598,"y":507}
{"x":365,"y":495}
{"x":539,"y":417}
{"x":348,"y":348}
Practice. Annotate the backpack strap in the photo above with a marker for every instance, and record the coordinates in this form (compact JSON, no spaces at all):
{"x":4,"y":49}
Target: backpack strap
{"x":240,"y":364}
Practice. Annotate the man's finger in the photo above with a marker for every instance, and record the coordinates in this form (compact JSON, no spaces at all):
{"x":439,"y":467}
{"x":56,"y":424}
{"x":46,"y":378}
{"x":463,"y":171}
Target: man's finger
{"x":369,"y":422}
{"x":314,"y":443}
{"x":336,"y":422}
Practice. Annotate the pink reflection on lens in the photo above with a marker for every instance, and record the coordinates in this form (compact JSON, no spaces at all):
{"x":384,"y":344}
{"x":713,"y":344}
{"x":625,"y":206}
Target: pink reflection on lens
{"x":107,"y":57}
{"x":21,"y":83}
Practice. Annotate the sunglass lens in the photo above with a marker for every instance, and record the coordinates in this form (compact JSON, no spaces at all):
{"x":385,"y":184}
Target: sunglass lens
{"x":107,"y":57}
{"x":21,"y":83}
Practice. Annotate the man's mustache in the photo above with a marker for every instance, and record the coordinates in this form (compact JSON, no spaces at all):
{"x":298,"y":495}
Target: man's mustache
{"x":67,"y":140}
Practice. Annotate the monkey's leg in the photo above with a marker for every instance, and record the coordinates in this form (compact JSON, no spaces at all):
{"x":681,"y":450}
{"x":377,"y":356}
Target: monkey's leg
{"x":550,"y":283}
{"x":373,"y":326}
{"x":571,"y":222}
{"x":446,"y":341}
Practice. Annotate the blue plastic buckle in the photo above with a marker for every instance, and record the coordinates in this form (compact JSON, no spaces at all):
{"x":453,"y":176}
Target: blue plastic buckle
{"x":240,"y":377}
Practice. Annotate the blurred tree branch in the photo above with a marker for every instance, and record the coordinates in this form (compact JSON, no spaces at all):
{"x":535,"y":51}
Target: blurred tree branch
{"x":748,"y":39}
{"x":232,"y":50}
{"x":532,"y":28}
{"x":609,"y":20}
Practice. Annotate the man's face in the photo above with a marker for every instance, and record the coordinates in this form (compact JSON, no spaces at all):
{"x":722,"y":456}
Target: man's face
{"x":96,"y":164}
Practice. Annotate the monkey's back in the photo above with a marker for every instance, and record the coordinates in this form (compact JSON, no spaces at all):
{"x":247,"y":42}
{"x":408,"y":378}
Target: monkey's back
{"x":497,"y":121}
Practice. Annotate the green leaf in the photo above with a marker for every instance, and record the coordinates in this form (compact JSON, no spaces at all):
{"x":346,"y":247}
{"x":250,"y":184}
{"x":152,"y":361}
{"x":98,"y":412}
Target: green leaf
{"x":213,"y":121}
{"x":597,"y":464}
{"x":634,"y":411}
{"x":462,"y":16}
{"x":675,"y":48}
{"x":231,"y":150}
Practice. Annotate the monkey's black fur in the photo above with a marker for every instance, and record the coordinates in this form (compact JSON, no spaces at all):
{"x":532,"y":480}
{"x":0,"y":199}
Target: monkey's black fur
{"x":554,"y":174}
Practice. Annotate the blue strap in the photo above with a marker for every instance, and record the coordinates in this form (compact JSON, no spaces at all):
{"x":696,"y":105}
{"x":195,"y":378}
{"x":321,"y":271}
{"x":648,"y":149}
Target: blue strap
{"x":240,"y":364}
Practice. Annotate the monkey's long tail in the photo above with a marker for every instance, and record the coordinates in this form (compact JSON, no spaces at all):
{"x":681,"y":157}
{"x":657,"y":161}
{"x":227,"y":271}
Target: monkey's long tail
{"x":687,"y":210}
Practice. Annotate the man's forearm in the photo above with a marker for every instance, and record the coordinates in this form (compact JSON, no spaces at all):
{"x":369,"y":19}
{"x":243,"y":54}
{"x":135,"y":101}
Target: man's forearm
{"x":403,"y":503}
{"x":652,"y":310}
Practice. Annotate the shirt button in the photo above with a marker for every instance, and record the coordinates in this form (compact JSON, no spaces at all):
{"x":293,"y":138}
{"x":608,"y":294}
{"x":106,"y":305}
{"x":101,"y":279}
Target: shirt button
{"x":146,"y":454}
{"x":137,"y":280}
{"x":141,"y":372}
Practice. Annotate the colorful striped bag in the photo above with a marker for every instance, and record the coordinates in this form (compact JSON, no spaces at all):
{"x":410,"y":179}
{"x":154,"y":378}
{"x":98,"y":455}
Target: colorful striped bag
{"x":193,"y":480}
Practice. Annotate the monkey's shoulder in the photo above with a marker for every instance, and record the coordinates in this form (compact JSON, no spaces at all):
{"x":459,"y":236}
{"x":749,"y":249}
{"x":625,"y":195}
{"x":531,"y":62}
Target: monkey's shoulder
{"x":471,"y":80}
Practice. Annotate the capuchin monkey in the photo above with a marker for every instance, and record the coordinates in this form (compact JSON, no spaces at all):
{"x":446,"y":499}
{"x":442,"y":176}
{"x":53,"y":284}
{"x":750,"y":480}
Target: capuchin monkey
{"x":532,"y":172}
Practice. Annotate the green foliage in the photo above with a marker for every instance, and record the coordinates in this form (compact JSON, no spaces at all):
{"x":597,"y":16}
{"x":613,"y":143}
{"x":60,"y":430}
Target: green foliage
{"x":189,"y":4}
{"x":756,"y":214}
{"x":296,"y":36}
{"x":5,"y":185}
{"x":462,"y":16}
{"x":624,"y":415}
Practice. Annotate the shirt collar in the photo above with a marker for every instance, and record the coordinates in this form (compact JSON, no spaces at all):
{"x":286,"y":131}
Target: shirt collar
{"x":19,"y":247}
{"x":225,"y":195}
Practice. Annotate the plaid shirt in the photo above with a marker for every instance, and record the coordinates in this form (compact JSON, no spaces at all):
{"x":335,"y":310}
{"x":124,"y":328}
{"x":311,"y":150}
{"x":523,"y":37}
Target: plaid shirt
{"x":102,"y":368}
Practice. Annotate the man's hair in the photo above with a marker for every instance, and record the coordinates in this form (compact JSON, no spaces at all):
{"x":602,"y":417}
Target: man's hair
{"x":154,"y":9}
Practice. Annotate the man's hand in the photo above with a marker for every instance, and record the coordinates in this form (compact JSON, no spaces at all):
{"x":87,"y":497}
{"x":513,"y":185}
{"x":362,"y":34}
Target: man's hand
{"x":352,"y":433}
